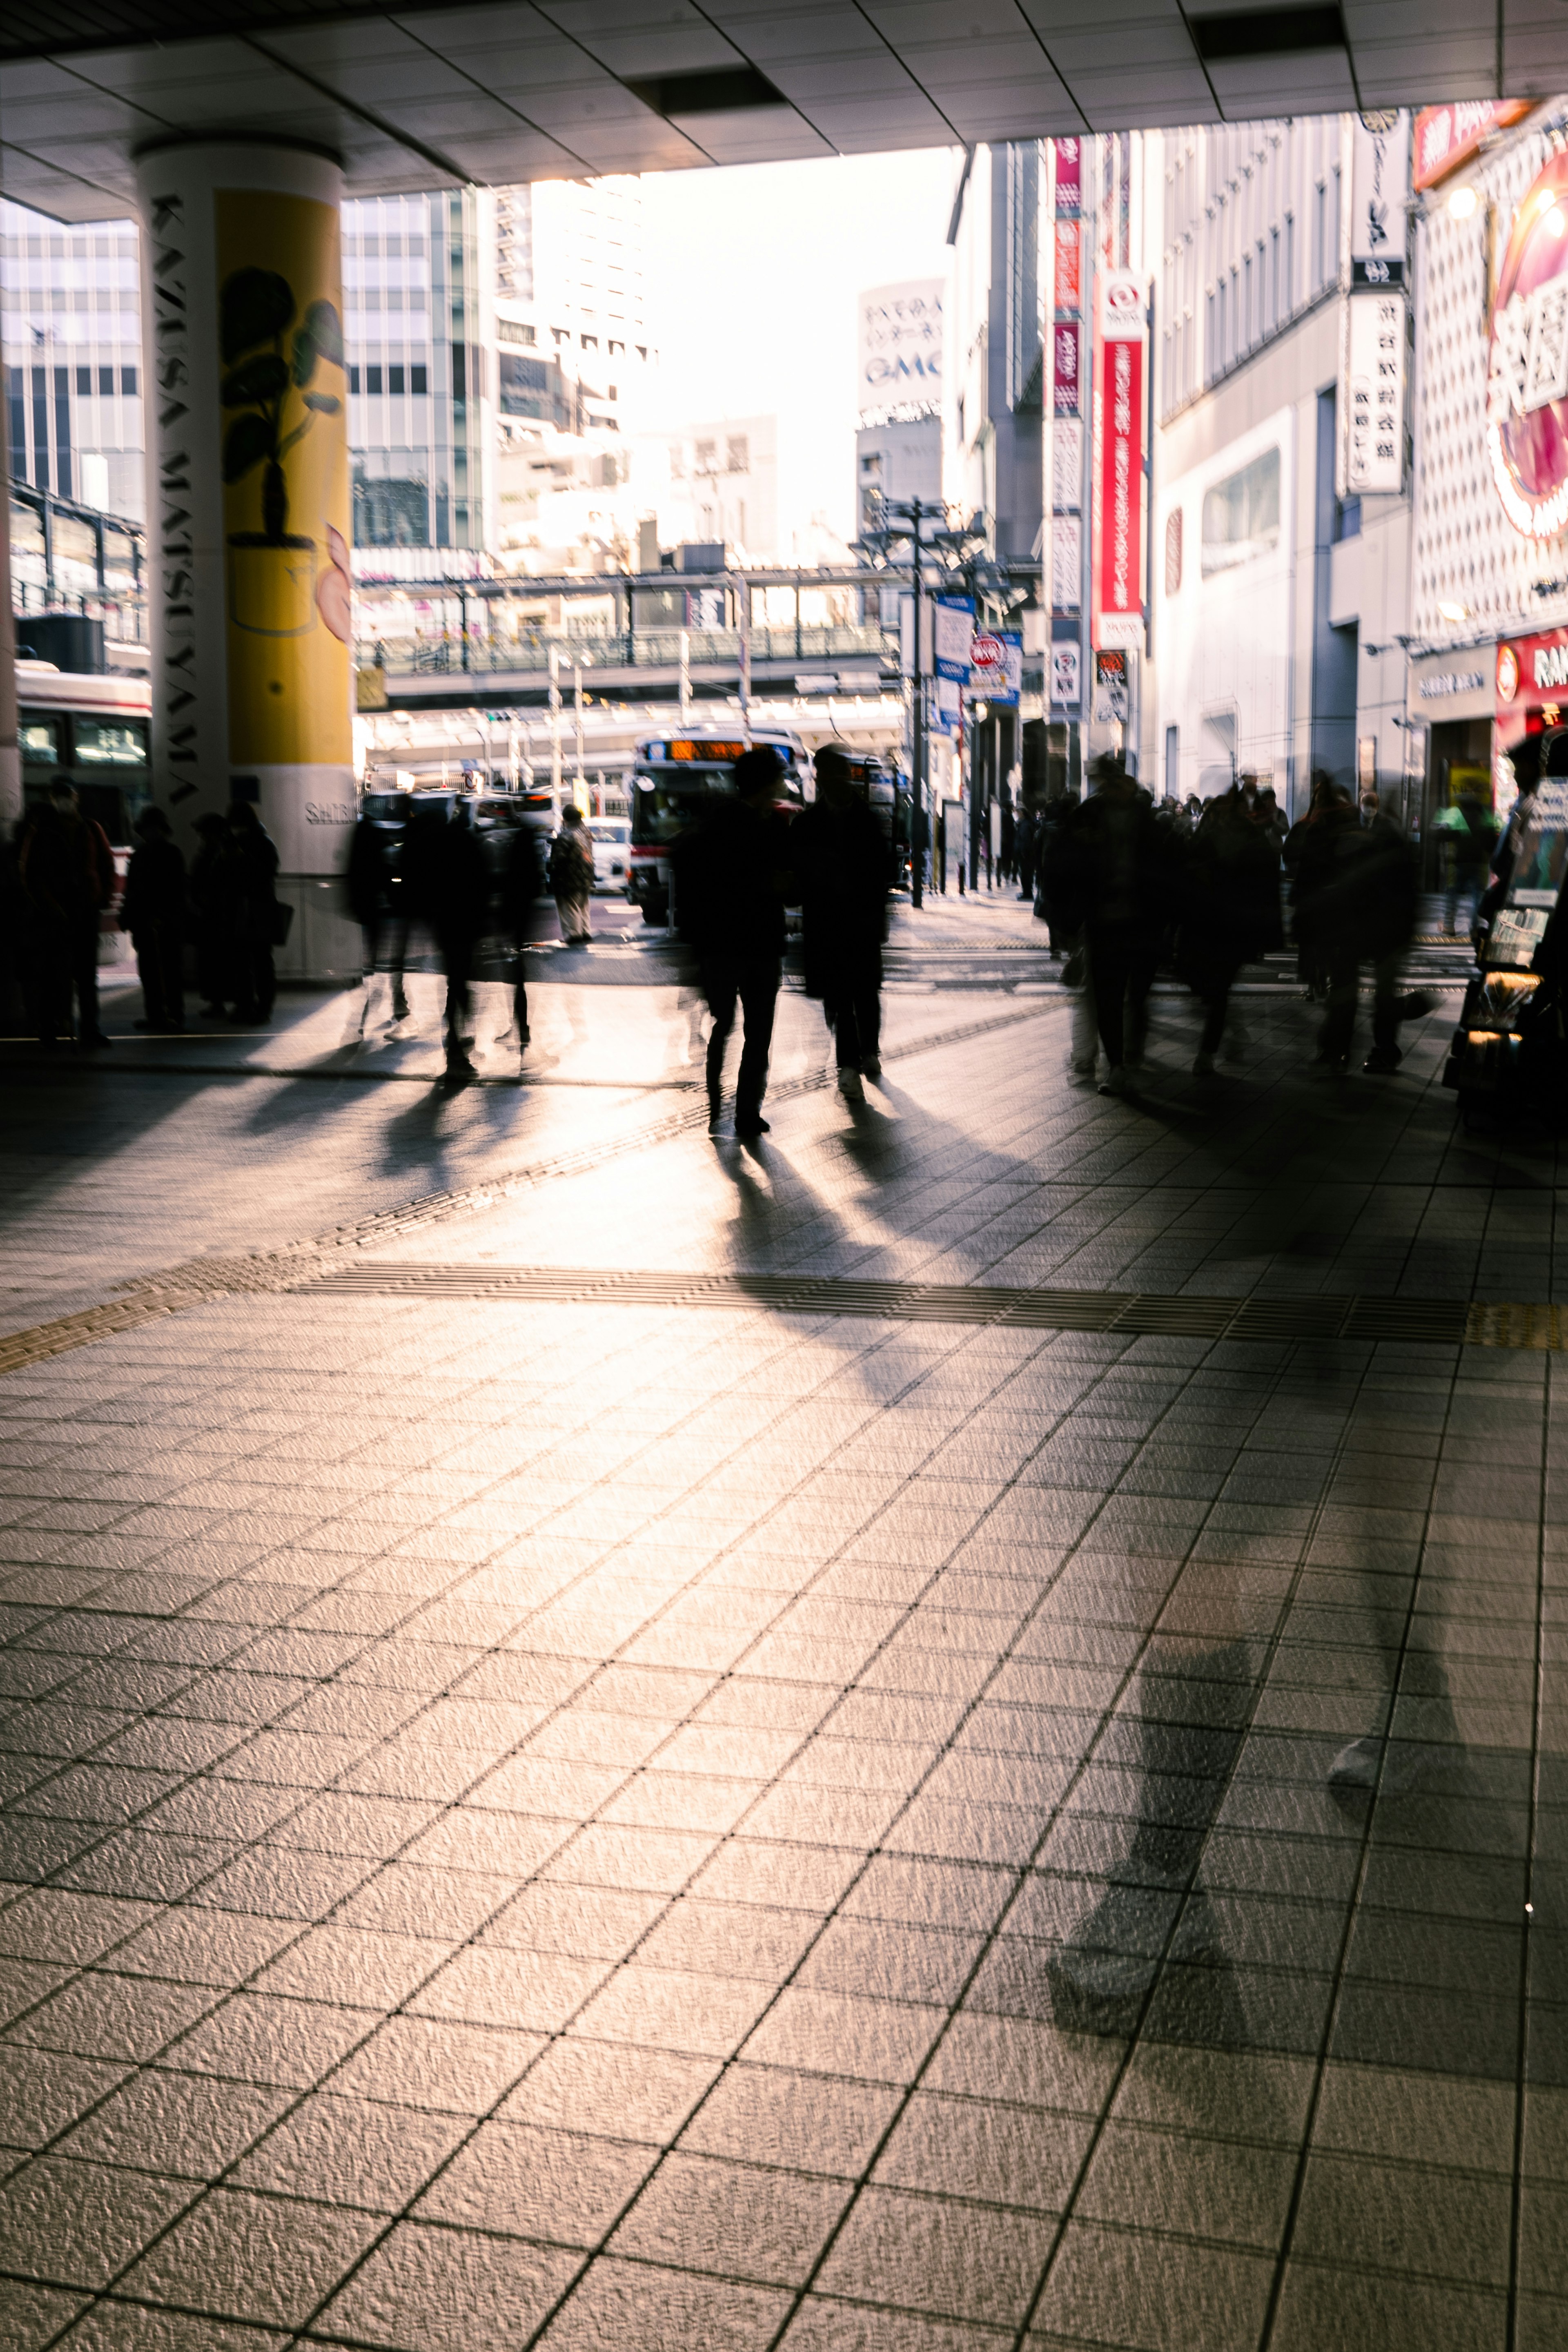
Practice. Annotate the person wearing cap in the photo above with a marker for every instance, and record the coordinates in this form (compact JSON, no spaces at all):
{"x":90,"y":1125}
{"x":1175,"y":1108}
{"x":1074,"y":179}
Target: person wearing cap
{"x":732,"y":874}
{"x":153,"y":912}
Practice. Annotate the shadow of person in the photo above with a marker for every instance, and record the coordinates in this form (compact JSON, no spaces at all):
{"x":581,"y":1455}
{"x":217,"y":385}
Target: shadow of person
{"x":1189,"y":1731}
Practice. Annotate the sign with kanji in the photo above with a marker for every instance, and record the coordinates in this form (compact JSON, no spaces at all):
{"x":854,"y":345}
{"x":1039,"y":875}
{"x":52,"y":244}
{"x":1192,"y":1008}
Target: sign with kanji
{"x":1374,"y":446}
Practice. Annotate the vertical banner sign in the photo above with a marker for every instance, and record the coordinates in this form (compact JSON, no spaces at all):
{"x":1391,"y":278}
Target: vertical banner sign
{"x":1066,"y":680}
{"x":1067,"y":295}
{"x":1069,"y":176}
{"x":1374,"y":388}
{"x":1063,"y":520}
{"x":1066,"y":346}
{"x":1118,"y":508}
{"x":286,"y":479}
{"x":954,"y":624}
{"x":1379,"y":190}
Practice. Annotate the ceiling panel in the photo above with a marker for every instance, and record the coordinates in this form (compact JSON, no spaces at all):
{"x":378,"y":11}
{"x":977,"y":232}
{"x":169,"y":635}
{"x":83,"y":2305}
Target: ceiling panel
{"x":521,"y":88}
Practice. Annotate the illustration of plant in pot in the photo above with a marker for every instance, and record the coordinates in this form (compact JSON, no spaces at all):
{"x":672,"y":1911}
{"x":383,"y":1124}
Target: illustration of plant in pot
{"x":271,"y":367}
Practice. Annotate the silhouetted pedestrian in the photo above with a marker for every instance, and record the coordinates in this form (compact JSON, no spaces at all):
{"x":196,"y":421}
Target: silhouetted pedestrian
{"x":371,"y":882}
{"x":1471,"y":843}
{"x":67,"y":869}
{"x":1231,"y":912}
{"x":256,"y":910}
{"x":212,"y":885}
{"x":1303,"y":868}
{"x":153,"y":912}
{"x":1108,"y":875}
{"x":456,"y":886}
{"x":522,"y":886}
{"x":1361,"y":885}
{"x":840,"y":865}
{"x":731,"y":877}
{"x":571,"y":875}
{"x":1026,"y":850}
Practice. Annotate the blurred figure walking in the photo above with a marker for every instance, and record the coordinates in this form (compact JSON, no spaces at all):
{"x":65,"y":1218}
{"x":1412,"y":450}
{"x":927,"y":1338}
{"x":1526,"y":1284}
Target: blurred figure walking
{"x":522,"y":886}
{"x":371,"y":884}
{"x":1359,"y":881}
{"x":258,"y":927}
{"x":1108,"y":877}
{"x":571,"y":875}
{"x":153,"y":912}
{"x":457,"y":886}
{"x":1026,"y":850}
{"x":1471,"y":837}
{"x":1230,"y":913}
{"x":67,"y":869}
{"x":732,"y":872}
{"x":841,"y":871}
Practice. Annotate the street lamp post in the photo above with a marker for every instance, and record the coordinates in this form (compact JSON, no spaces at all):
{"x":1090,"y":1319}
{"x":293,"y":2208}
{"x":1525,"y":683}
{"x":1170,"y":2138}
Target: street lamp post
{"x":555,"y":731}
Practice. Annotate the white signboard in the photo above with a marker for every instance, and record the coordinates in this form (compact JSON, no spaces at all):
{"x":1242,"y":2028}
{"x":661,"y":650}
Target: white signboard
{"x":1066,"y":462}
{"x":1066,"y":562}
{"x":898,"y":364}
{"x":1066,"y":672}
{"x":1373,"y":445}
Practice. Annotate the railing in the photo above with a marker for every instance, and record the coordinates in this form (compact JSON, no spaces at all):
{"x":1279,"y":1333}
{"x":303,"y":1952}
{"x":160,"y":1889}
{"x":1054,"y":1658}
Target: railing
{"x":638,"y":649}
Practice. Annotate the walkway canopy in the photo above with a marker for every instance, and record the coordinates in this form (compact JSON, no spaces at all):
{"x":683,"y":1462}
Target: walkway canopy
{"x":576,"y":87}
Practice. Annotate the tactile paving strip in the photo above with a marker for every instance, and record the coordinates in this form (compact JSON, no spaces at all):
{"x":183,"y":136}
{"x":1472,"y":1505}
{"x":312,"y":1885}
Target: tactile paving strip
{"x":204,"y":1279}
{"x":1444,"y":1321}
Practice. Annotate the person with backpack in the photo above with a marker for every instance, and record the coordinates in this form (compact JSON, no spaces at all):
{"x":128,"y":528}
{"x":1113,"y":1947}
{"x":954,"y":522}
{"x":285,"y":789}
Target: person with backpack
{"x":571,"y":875}
{"x":153,"y":912}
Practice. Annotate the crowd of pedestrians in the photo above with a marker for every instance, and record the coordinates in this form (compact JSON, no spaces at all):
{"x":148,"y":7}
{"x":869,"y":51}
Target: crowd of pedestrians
{"x":1127,"y":885}
{"x":60,"y":886}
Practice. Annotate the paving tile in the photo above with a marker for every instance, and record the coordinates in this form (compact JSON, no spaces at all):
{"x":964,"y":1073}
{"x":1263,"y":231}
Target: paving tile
{"x":440,"y":2290}
{"x":664,"y":2311}
{"x":268,"y":2261}
{"x":936,"y":2255}
{"x":77,"y":2225}
{"x":562,"y":2187}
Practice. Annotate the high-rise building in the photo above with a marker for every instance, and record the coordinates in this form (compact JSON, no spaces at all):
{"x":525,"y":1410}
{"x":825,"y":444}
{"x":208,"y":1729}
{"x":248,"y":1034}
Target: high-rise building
{"x":418,"y":273}
{"x":573,"y":363}
{"x":72,"y":333}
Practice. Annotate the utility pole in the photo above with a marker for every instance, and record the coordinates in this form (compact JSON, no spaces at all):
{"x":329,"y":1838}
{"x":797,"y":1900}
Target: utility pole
{"x":555,"y":731}
{"x":582,"y":788}
{"x":685,"y":676}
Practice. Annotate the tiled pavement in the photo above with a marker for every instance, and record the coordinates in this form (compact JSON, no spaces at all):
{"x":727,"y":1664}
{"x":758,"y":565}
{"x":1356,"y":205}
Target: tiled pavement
{"x":637,"y":1828}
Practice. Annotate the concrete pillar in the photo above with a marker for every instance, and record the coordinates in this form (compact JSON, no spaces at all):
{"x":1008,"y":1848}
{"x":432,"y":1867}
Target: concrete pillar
{"x":248,"y":511}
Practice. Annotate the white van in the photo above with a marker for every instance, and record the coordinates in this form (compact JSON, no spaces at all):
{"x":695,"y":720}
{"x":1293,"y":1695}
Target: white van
{"x":612,"y":852}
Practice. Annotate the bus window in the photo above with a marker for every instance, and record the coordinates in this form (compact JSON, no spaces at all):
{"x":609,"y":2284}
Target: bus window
{"x":110,"y":742}
{"x":40,"y":742}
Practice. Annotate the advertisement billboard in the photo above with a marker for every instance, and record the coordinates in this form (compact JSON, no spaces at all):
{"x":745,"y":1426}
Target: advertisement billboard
{"x":1527,"y":377}
{"x":1380,"y":188}
{"x":1118,"y":618}
{"x":898,"y":351}
{"x":1448,"y":136}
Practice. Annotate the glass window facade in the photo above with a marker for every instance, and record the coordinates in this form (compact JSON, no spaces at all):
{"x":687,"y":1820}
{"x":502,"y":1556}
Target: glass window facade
{"x":70,"y":317}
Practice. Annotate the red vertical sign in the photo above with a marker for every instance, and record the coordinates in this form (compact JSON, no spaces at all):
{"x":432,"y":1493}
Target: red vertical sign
{"x":1119,"y":465}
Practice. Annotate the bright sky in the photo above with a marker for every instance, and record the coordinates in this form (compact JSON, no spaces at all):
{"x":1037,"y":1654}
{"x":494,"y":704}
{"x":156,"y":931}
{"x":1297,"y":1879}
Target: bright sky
{"x":752,"y":277}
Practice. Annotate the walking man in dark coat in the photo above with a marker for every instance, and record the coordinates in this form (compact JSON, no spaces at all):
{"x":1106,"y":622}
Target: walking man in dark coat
{"x":67,"y":869}
{"x":842,"y":874}
{"x":731,"y":878}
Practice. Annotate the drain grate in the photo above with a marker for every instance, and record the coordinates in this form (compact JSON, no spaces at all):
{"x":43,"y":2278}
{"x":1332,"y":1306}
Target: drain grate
{"x":1442,"y":1322}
